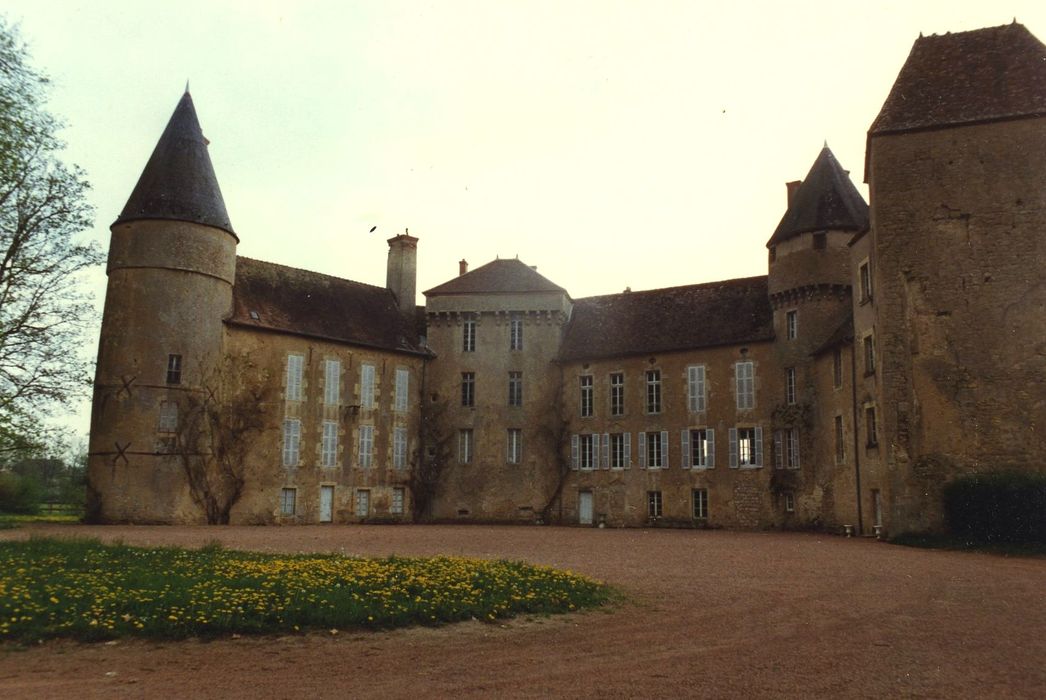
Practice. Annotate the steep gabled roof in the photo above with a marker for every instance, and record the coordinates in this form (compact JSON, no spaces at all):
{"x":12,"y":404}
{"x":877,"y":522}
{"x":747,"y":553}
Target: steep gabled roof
{"x":827,"y":200}
{"x":665,"y":320}
{"x":497,"y":277}
{"x":968,"y":77}
{"x":178,"y":181}
{"x":289,"y":300}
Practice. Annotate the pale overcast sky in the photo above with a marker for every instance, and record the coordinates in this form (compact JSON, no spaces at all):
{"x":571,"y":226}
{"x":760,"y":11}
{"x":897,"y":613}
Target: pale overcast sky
{"x":612,"y":144}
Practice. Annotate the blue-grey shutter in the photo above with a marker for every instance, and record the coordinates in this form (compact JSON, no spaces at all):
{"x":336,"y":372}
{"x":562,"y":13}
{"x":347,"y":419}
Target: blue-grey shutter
{"x":701,"y":388}
{"x":779,"y":449}
{"x":664,"y":449}
{"x":733,"y":448}
{"x":684,"y":443}
{"x":710,"y":458}
{"x":606,"y":450}
{"x":795,"y":448}
{"x":758,"y":446}
{"x":642,"y":450}
{"x":628,"y":450}
{"x":691,"y":388}
{"x":575,"y":448}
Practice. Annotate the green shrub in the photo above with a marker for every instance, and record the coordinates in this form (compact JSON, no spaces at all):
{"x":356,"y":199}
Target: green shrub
{"x":1005,"y":506}
{"x":19,"y":494}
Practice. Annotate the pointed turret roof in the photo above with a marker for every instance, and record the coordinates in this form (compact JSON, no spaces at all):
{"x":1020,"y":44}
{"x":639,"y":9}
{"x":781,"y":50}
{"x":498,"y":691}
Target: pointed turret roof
{"x":967,"y":77}
{"x":178,"y":182}
{"x":827,"y":200}
{"x":498,"y":277}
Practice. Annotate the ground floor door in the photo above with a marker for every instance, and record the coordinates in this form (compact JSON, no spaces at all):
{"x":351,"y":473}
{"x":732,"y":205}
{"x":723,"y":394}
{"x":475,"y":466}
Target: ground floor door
{"x":877,"y":506}
{"x":326,"y":504}
{"x":584,"y":507}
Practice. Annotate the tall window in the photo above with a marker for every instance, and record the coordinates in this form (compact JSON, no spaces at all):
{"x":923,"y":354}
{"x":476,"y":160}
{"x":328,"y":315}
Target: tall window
{"x":699,"y":447}
{"x":619,"y":450}
{"x":402,"y":389}
{"x":468,"y":388}
{"x":653,"y":391}
{"x":295,"y":366}
{"x":617,"y":394}
{"x":586,"y":395}
{"x":792,"y":448}
{"x":331,"y":382}
{"x":168,"y":417}
{"x":515,"y":332}
{"x":287,"y":501}
{"x":329,"y":444}
{"x":840,"y":444}
{"x":587,"y":446}
{"x":866,"y":282}
{"x":653,"y":504}
{"x":399,"y":447}
{"x":744,"y":374}
{"x":366,"y":447}
{"x":790,"y":386}
{"x":792,"y":324}
{"x":468,"y":335}
{"x":515,"y":388}
{"x":465,"y":446}
{"x":396,"y":508}
{"x":174,"y":369}
{"x":837,"y":368}
{"x":869,"y":355}
{"x":515,"y":446}
{"x":746,"y":447}
{"x":291,"y":442}
{"x":367,"y":386}
{"x":870,"y":427}
{"x":695,"y":382}
{"x":655,"y":449}
{"x":700,"y":504}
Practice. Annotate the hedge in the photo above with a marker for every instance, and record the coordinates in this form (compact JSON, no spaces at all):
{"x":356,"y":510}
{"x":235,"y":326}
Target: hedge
{"x":1003,"y":506}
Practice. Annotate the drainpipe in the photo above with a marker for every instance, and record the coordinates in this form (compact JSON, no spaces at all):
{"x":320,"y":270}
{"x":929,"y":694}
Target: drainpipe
{"x":857,"y":441}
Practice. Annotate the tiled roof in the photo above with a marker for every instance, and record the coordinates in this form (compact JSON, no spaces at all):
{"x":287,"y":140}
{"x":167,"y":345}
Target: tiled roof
{"x":178,"y":182}
{"x":665,"y":320}
{"x":497,"y":276}
{"x":982,"y":75}
{"x":289,"y":300}
{"x":827,"y":200}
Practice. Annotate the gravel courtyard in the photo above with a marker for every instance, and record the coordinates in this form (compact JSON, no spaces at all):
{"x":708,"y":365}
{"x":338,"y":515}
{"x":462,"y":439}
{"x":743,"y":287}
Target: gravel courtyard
{"x":707,"y":614}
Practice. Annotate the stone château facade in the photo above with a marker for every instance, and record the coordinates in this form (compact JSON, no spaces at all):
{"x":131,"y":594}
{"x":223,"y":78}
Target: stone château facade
{"x":888,"y":349}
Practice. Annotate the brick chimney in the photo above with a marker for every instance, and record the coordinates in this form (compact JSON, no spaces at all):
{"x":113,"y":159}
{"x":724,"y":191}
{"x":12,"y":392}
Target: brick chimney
{"x":463,"y":267}
{"x":793,"y":187}
{"x":401,"y":277}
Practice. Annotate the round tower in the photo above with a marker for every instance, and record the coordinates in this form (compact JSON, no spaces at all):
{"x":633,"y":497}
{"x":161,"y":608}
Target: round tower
{"x":172,"y":262}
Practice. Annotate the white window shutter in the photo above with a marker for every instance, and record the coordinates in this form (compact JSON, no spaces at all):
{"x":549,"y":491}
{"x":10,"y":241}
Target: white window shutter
{"x":664,"y":449}
{"x":628,"y":450}
{"x":691,"y":386}
{"x":606,"y":450}
{"x":701,"y":388}
{"x":733,"y":448}
{"x":758,"y":446}
{"x":684,"y":443}
{"x":575,"y":449}
{"x":642,"y":450}
{"x":779,"y":449}
{"x":710,"y":457}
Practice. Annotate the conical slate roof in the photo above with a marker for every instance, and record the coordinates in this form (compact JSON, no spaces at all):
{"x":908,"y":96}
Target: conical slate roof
{"x":827,"y":200}
{"x":178,"y":182}
{"x":498,"y":276}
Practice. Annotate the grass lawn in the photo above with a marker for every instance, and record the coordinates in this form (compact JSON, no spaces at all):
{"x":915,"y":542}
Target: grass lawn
{"x":85,"y":590}
{"x":10,"y":520}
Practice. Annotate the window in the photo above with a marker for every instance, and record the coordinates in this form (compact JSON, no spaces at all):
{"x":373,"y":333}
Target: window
{"x":515,"y":332}
{"x":653,"y":391}
{"x":468,"y":335}
{"x":786,"y":448}
{"x":820,"y":241}
{"x":617,"y":394}
{"x":397,"y":501}
{"x":291,"y":442}
{"x":288,"y":501}
{"x":789,"y":498}
{"x":366,"y":447}
{"x":468,"y":388}
{"x":402,"y":388}
{"x":168,"y":417}
{"x":746,"y":447}
{"x":840,"y":444}
{"x":869,"y":355}
{"x":700,"y":504}
{"x":367,"y":386}
{"x":515,"y":388}
{"x":515,"y":446}
{"x":653,"y":504}
{"x":399,"y":447}
{"x":698,"y":448}
{"x":174,"y":369}
{"x":869,"y":424}
{"x":362,"y":503}
{"x":792,"y":324}
{"x":586,"y":452}
{"x":465,"y":446}
{"x":620,"y":448}
{"x":790,"y":386}
{"x":695,"y":383}
{"x":653,"y":449}
{"x":744,"y":374}
{"x":865,"y":275}
{"x":331,"y":382}
{"x":329,"y":444}
{"x":295,"y":365}
{"x":586,"y":395}
{"x":837,"y":368}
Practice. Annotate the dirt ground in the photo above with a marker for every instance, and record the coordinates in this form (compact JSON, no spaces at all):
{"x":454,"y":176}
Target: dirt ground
{"x":709,"y":614}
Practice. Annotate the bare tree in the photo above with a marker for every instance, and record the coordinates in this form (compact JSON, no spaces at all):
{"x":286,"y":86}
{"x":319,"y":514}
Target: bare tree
{"x":436,"y":451}
{"x":43,"y":310}
{"x":555,"y":432}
